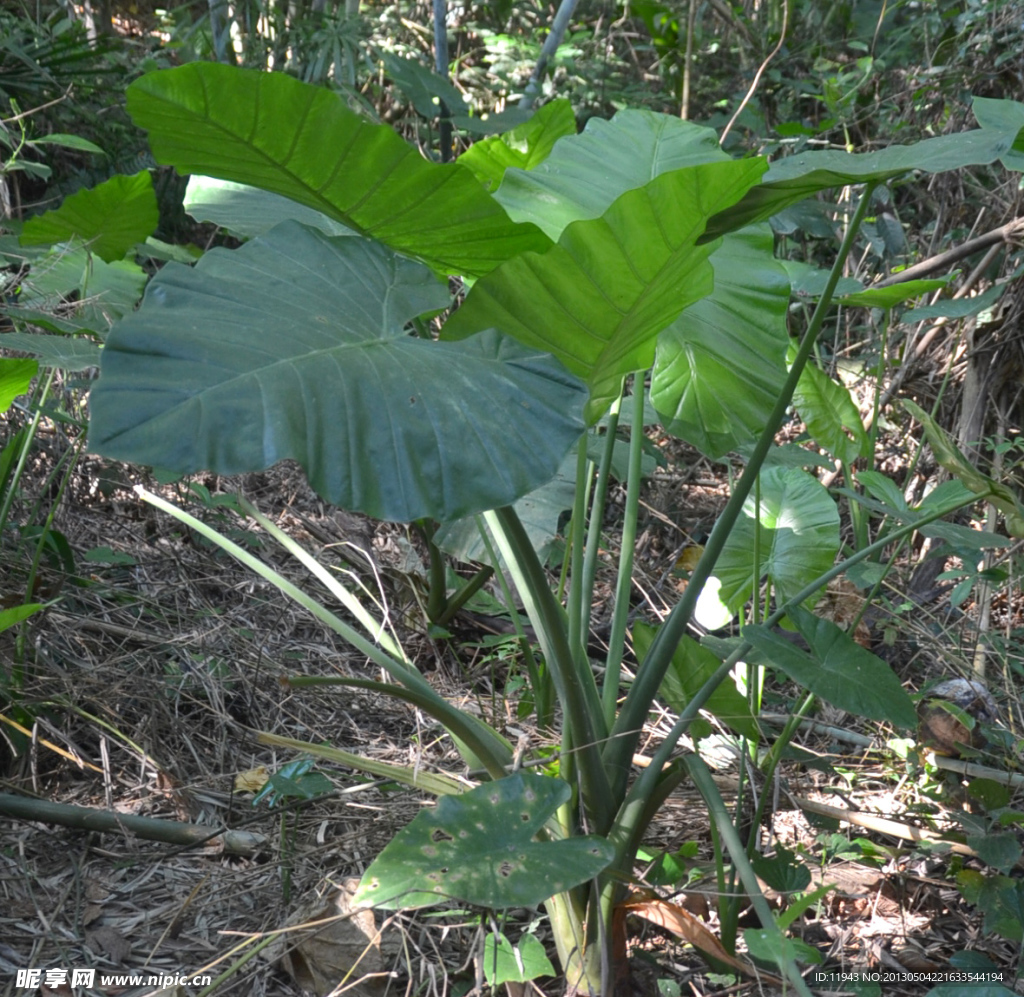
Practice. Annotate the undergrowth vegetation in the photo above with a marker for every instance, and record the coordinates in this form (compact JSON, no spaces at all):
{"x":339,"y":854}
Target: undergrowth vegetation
{"x":499,"y":296}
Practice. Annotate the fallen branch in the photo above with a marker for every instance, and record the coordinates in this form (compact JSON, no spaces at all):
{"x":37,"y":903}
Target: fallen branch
{"x":884,"y":825}
{"x":1009,"y":232}
{"x":148,"y":828}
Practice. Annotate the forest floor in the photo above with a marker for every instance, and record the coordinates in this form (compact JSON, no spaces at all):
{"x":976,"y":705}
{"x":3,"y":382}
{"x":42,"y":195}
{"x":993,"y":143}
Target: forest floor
{"x":146,"y":681}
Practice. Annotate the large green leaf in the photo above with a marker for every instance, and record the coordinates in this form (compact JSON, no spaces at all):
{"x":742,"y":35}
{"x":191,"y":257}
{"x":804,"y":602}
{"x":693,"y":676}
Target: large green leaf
{"x":539,"y":512}
{"x":293,"y":346}
{"x":837,"y":669}
{"x":830,"y":414}
{"x":479,"y":848}
{"x":799,"y":538}
{"x":692,"y":666}
{"x":273,"y":132}
{"x":585,"y":173}
{"x":720,"y":366}
{"x":525,"y":147}
{"x":598,"y":299}
{"x":111,"y":217}
{"x":796,"y":177}
{"x":248,"y":211}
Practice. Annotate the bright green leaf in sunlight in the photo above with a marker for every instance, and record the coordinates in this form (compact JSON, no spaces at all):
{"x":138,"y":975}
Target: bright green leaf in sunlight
{"x":525,"y":147}
{"x":837,"y":669}
{"x":585,"y":173}
{"x":893,"y":295}
{"x":720,"y":366}
{"x":830,"y":414}
{"x":507,"y":963}
{"x":15,"y":378}
{"x":303,"y":142}
{"x":294,"y":346}
{"x":110,"y":218}
{"x":598,"y":299}
{"x":692,"y":666}
{"x":479,"y":848}
{"x":17,"y":614}
{"x":799,"y":525}
{"x":794,"y":178}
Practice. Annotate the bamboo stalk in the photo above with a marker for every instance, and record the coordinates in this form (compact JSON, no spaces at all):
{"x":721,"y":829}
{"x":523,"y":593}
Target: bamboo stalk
{"x":147,"y":828}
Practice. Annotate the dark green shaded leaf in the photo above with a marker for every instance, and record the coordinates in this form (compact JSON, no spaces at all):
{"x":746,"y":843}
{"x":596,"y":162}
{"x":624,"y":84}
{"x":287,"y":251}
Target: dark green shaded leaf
{"x":1005,"y":116}
{"x":479,"y":848}
{"x":957,"y":308}
{"x":294,"y":346}
{"x":797,"y":177}
{"x":837,"y":669}
{"x":62,"y":352}
{"x":953,"y":460}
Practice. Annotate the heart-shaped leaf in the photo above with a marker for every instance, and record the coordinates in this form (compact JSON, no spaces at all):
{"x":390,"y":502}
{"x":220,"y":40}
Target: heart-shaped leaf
{"x":508,"y":963}
{"x":111,"y":217}
{"x":525,"y":147}
{"x":598,"y":299}
{"x":294,"y":346}
{"x":301,"y":141}
{"x":830,"y":414}
{"x":837,"y":669}
{"x":479,"y":848}
{"x":799,"y":539}
{"x":585,"y":173}
{"x":62,"y":352}
{"x":720,"y":366}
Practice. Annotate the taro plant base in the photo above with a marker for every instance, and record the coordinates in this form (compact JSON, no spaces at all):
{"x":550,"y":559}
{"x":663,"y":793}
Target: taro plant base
{"x":615,"y":252}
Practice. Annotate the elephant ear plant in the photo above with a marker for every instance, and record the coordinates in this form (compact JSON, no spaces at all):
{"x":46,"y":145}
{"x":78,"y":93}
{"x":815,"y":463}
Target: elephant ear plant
{"x":636,"y":252}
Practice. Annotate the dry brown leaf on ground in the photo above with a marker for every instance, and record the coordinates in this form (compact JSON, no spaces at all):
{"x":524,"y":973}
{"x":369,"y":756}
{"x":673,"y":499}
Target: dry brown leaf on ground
{"x":109,"y":941}
{"x":680,"y":922}
{"x":343,"y":944}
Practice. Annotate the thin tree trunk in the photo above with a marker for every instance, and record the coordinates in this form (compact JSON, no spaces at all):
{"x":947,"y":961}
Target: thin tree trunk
{"x":441,"y":68}
{"x":554,"y":39}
